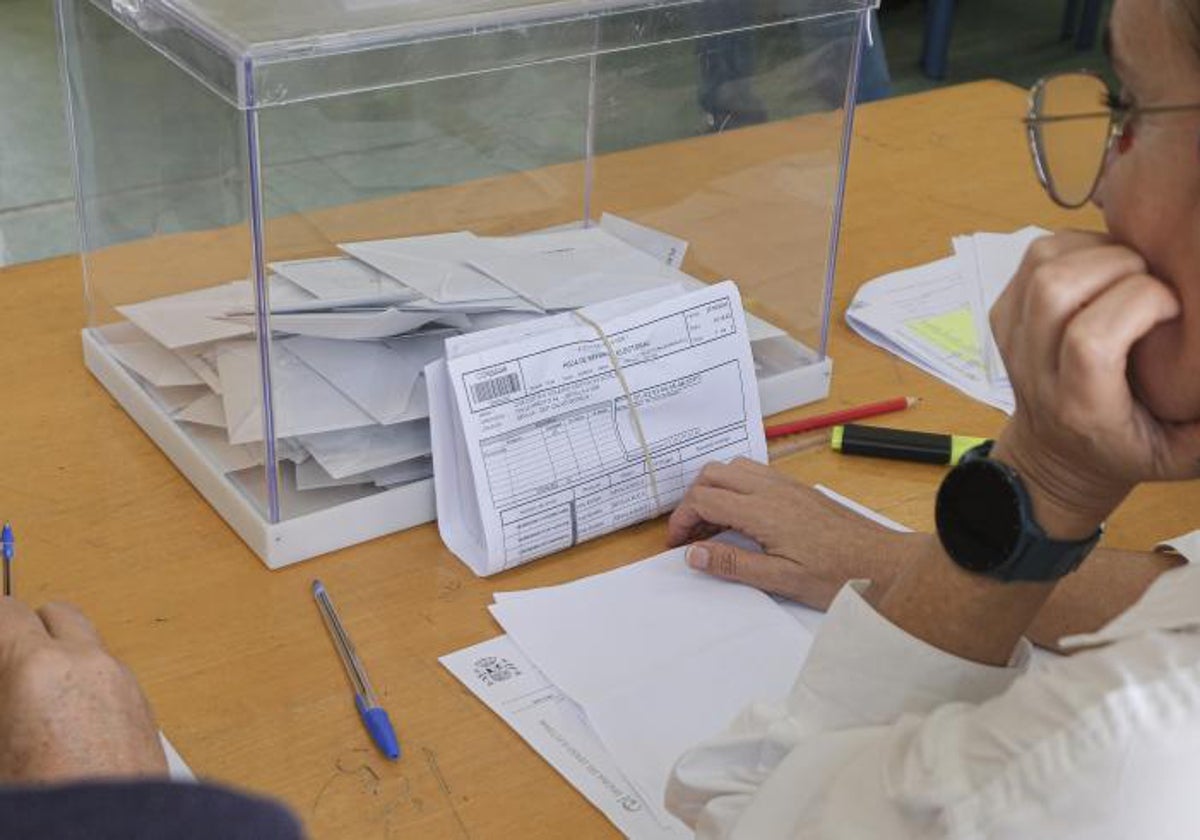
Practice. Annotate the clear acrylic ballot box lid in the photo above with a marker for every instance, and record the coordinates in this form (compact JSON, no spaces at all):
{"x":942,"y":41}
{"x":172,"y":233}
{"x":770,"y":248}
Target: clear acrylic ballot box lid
{"x":287,"y":206}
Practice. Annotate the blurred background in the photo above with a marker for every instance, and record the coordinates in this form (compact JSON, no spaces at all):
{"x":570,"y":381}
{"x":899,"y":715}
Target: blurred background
{"x":1013,"y":40}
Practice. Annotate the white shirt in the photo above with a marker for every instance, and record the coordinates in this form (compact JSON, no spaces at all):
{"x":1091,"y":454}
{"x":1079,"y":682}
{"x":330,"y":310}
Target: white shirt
{"x":884,"y":736}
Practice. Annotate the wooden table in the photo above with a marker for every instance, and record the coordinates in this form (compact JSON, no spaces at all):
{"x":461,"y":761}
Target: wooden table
{"x":235,"y":659}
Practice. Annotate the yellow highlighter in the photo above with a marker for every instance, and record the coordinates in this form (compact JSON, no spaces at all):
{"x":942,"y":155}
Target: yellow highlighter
{"x":902,"y":445}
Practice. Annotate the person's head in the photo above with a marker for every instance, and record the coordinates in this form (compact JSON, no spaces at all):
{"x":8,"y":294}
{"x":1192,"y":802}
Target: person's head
{"x":1150,"y":190}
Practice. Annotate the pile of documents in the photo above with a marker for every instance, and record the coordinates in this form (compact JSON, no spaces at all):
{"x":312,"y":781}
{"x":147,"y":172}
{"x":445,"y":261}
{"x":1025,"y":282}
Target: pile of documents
{"x":350,"y":337}
{"x":935,"y":315}
{"x":612,"y":705}
{"x":544,"y":437}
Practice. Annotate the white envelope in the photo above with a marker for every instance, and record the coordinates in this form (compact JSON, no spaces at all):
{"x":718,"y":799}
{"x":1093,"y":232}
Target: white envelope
{"x":199,"y":317}
{"x":490,"y":320}
{"x":357,"y":325}
{"x":226,"y":456}
{"x":574,"y":268}
{"x":498,"y":306}
{"x":377,"y":376}
{"x":304,"y":402}
{"x":341,"y":279}
{"x":203,"y":363}
{"x":662,"y":246}
{"x":208,"y":410}
{"x":352,"y":451}
{"x":405,"y":472}
{"x":155,"y":363}
{"x":191,"y":318}
{"x":418,"y":403}
{"x":433,"y":265}
{"x":312,"y":476}
{"x":176,"y":398}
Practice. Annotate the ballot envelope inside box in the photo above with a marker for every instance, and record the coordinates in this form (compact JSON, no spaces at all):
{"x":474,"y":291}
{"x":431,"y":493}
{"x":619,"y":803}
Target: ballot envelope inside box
{"x":287,"y":208}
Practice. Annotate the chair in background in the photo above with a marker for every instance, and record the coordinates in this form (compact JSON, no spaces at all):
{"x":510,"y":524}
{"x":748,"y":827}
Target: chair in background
{"x":1081,"y":20}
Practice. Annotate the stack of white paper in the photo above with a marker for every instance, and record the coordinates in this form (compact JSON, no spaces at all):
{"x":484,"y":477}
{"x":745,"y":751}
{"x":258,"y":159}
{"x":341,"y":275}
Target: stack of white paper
{"x":612,"y":704}
{"x":549,"y":435}
{"x":935,"y":315}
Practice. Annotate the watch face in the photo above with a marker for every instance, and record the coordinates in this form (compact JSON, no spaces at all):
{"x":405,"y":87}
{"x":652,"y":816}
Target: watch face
{"x":978,"y":515}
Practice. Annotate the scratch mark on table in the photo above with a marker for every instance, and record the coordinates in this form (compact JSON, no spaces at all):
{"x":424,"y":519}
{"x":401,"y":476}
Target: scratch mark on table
{"x":432,"y":763}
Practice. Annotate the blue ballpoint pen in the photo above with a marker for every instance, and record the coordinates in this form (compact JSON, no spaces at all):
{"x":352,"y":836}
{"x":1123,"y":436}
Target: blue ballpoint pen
{"x":373,"y":717}
{"x":9,"y":547}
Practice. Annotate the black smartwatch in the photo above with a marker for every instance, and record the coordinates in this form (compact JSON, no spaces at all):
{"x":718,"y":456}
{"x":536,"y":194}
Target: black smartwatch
{"x":985,"y":522}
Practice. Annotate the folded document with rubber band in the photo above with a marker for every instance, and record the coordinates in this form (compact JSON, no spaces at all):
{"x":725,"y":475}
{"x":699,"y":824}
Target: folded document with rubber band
{"x":548,"y":434}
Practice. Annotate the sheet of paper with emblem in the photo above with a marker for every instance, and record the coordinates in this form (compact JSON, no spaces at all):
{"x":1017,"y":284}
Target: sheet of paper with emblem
{"x":637,"y":679}
{"x":499,"y":674}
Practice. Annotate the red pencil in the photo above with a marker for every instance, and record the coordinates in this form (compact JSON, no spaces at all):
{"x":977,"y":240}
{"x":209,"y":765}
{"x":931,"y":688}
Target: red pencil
{"x":846,"y":415}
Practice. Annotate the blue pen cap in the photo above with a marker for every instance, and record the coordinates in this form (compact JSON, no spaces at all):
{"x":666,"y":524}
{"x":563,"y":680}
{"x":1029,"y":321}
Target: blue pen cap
{"x":380,"y":726}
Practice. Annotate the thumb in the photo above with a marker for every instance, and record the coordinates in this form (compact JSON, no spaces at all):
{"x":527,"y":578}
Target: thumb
{"x":767,"y":572}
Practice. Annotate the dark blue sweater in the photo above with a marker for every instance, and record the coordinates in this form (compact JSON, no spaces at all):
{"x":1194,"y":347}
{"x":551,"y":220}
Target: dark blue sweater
{"x":140,"y":811}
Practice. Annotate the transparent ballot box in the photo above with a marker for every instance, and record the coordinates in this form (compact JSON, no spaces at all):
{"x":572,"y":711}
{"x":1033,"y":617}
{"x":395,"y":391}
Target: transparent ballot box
{"x":286,"y":207}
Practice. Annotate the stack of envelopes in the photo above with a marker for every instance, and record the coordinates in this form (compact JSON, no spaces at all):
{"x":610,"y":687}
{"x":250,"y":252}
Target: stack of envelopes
{"x":350,"y":336}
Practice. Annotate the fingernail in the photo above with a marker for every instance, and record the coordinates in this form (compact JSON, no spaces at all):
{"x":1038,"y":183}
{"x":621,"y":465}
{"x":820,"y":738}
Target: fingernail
{"x":698,"y":557}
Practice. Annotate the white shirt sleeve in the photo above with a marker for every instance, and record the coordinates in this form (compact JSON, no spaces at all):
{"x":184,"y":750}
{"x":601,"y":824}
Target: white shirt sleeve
{"x":886,"y":736}
{"x":1186,"y":546}
{"x":862,"y":671}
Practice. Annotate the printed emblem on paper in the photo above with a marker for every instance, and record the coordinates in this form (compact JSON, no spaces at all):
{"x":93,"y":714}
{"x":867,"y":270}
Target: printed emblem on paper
{"x":495,"y":669}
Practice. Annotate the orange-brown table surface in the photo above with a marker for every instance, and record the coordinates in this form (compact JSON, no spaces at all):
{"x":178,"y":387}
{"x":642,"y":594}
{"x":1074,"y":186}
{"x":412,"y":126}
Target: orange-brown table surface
{"x":235,"y":658}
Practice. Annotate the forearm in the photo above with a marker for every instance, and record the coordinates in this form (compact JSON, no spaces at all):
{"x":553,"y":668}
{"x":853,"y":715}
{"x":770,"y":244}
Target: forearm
{"x":1108,"y":583}
{"x":967,"y":615}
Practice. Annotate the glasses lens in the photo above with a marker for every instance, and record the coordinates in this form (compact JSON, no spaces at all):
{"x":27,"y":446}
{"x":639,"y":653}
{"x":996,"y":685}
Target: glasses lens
{"x":1071,"y":134}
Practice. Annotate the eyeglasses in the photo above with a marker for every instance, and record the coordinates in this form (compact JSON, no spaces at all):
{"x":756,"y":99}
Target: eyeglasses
{"x":1075,"y":122}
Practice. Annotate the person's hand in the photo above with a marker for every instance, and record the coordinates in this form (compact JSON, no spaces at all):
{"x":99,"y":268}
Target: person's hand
{"x":1079,"y":438}
{"x":68,"y":710}
{"x":812,"y":544}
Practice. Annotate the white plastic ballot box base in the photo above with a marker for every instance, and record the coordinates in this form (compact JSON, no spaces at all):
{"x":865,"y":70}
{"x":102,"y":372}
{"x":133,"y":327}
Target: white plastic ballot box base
{"x":280,"y":544}
{"x":277,"y":544}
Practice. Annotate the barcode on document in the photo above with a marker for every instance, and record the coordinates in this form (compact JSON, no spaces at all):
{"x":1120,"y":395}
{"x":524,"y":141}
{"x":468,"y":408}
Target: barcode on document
{"x":494,"y":389}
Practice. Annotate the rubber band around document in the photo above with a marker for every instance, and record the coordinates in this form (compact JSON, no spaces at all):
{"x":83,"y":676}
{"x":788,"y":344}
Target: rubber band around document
{"x":634,"y":414}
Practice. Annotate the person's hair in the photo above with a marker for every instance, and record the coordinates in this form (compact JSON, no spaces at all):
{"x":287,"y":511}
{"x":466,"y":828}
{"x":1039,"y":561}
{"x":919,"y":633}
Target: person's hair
{"x":1186,"y":14}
